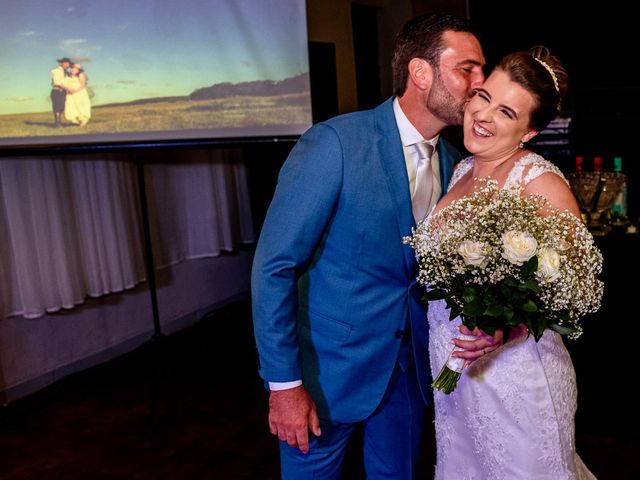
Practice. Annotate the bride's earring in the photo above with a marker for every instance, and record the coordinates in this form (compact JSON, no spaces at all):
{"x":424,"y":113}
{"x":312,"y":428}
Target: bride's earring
{"x":521,"y":145}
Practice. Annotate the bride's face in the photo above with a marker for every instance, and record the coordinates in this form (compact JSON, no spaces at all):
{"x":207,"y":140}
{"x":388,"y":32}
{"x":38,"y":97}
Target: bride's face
{"x":497,"y":118}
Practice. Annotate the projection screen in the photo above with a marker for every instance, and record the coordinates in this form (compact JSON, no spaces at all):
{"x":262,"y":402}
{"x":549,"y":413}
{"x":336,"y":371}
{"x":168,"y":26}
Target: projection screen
{"x":98,"y":72}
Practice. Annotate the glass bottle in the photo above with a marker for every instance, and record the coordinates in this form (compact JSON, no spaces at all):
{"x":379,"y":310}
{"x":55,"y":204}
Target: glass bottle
{"x":619,"y":207}
{"x":579,"y":162}
{"x":597,"y":164}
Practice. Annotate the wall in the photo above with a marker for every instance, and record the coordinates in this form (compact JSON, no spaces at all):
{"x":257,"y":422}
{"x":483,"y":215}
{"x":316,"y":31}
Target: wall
{"x":330,"y":21}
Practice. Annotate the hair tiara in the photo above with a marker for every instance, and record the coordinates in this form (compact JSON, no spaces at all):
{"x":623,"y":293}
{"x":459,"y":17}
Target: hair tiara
{"x":551,"y":72}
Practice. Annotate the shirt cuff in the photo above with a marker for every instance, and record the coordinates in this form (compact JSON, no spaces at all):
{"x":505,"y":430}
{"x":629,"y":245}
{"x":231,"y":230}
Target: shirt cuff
{"x":275,"y":386}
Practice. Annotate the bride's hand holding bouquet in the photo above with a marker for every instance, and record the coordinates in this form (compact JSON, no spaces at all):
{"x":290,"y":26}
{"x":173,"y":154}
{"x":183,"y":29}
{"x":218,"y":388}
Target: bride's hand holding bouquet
{"x":504,"y":261}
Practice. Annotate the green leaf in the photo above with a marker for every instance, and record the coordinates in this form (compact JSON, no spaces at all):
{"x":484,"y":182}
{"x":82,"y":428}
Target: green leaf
{"x":468,"y":322}
{"x":435,"y":294}
{"x":510,"y":282}
{"x":532,"y":285}
{"x":529,"y":306}
{"x":512,"y":322}
{"x":488,"y":328}
{"x":530,"y":266}
{"x":493,"y":310}
{"x":539,"y":330}
{"x":507,"y":313}
{"x":474,"y":308}
{"x":517,"y":319}
{"x":563,"y":329}
{"x":506,"y":290}
{"x":469,"y":294}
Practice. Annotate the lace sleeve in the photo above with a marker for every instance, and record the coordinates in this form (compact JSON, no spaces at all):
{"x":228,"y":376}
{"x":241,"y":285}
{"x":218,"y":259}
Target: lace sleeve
{"x":461,"y":168}
{"x":527,"y":169}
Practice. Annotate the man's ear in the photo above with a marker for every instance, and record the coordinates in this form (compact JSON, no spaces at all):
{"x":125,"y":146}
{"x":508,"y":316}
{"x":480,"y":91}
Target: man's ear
{"x":420,"y":73}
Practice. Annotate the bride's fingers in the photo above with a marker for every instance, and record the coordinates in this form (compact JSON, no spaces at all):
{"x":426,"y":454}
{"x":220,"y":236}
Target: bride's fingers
{"x":495,"y":339}
{"x":475,"y":345}
{"x":464,"y":330}
{"x":468,"y":354}
{"x":476,"y":332}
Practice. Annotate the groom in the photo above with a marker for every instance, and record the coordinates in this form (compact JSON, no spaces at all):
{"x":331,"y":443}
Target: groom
{"x":341,"y":332}
{"x":58,"y":92}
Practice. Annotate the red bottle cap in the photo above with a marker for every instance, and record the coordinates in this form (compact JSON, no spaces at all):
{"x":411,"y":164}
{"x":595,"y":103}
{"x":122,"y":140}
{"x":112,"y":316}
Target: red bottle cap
{"x":597,"y":164}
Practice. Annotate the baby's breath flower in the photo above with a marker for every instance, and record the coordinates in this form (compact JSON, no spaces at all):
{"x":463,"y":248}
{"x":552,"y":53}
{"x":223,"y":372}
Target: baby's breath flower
{"x":500,"y":259}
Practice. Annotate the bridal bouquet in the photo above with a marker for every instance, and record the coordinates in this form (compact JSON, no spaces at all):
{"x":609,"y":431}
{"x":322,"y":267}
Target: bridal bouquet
{"x":499,"y":259}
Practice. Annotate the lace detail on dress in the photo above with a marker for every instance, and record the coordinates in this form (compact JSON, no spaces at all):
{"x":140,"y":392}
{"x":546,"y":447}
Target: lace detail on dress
{"x":525,"y":170}
{"x":528,"y":168}
{"x":463,"y":167}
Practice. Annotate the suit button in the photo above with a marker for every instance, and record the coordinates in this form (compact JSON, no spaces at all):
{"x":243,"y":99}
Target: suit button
{"x":399,"y":333}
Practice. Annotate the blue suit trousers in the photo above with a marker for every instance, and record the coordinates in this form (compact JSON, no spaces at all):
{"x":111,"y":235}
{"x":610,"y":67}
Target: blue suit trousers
{"x":392,"y":435}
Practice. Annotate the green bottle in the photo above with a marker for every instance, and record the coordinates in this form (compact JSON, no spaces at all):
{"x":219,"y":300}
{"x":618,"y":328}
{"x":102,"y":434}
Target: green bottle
{"x":619,"y":207}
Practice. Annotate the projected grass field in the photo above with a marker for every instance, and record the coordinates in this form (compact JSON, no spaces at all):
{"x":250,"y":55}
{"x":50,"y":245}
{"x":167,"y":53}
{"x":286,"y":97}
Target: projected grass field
{"x":169,"y":114}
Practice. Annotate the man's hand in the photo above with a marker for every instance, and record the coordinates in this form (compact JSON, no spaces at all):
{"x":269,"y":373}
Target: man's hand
{"x":292,"y":414}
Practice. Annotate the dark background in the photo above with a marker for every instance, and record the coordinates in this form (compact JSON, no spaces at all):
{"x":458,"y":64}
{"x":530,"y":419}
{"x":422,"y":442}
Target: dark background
{"x":596,"y":44}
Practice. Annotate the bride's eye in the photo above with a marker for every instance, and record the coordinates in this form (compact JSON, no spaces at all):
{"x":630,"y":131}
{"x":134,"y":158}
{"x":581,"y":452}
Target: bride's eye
{"x":484,"y":96}
{"x":507,"y":113}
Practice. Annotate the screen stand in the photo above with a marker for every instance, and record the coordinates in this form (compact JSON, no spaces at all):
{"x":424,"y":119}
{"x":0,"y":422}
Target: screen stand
{"x":150,"y":266}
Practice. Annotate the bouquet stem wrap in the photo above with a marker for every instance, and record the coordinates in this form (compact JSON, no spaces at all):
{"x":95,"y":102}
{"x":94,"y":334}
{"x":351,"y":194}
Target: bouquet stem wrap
{"x":451,"y":371}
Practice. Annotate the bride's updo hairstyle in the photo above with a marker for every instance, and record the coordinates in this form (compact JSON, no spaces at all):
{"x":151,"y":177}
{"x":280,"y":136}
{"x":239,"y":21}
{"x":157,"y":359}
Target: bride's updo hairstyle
{"x":541,"y":74}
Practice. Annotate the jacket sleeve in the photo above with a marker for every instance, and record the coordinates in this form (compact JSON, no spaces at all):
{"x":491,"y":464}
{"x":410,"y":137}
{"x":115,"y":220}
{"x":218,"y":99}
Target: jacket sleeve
{"x":308,"y":190}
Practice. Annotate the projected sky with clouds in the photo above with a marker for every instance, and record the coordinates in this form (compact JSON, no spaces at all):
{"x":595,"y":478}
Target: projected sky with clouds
{"x":133,"y":49}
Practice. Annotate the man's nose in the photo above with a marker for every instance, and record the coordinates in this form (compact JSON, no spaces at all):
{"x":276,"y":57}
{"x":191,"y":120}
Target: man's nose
{"x":477,"y":79}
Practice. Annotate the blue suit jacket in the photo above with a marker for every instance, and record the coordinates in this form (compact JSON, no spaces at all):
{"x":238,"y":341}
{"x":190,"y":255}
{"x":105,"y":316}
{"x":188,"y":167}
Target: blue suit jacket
{"x":332,"y":281}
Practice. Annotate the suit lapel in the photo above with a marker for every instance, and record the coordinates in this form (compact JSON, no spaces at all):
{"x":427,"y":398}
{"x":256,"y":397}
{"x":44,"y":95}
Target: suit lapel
{"x":391,"y":158}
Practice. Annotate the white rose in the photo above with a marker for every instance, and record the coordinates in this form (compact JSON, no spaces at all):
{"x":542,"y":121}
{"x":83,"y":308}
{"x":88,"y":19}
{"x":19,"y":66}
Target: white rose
{"x":473,"y":253}
{"x":518,"y":247}
{"x":548,"y":263}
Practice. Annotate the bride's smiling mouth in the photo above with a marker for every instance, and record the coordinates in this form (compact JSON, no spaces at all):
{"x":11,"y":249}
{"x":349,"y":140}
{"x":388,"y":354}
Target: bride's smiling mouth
{"x":480,"y":131}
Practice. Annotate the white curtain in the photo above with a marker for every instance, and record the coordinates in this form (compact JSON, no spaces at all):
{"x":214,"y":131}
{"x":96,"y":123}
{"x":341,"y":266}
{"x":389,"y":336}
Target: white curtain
{"x":71,"y":227}
{"x":198,"y":204}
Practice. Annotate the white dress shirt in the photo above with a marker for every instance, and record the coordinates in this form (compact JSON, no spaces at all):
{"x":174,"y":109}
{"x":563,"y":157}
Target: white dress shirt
{"x":409,"y":136}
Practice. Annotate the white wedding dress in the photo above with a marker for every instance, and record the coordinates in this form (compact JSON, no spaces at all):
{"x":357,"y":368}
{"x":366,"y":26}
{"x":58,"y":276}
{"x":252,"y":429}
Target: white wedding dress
{"x":511,"y":415}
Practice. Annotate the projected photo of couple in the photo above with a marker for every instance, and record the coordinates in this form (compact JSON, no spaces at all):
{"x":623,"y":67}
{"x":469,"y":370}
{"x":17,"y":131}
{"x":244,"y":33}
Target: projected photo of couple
{"x":69,"y":94}
{"x":159,"y":70}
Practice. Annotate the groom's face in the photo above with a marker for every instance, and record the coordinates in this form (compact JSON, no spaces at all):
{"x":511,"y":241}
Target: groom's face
{"x":459,"y":72}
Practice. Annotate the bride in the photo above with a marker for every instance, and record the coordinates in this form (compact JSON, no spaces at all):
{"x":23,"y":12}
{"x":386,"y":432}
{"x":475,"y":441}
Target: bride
{"x":511,"y":415}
